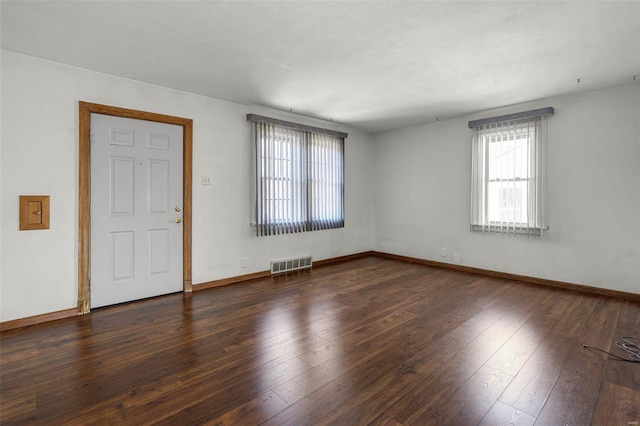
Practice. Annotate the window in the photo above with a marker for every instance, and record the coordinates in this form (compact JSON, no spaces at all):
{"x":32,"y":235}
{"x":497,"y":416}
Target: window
{"x":508,"y":175}
{"x":299,"y":177}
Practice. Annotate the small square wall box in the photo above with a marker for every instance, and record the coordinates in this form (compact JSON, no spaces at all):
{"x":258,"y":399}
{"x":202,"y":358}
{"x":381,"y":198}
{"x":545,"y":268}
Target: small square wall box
{"x":34,"y":212}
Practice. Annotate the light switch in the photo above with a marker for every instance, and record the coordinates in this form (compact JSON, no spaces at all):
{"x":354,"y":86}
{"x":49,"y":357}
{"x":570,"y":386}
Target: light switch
{"x":34,"y":212}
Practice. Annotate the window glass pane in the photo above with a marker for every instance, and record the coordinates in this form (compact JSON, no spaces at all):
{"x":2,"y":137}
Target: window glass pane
{"x":508,"y":177}
{"x":326,"y":181}
{"x":508,"y":157}
{"x":507,"y":201}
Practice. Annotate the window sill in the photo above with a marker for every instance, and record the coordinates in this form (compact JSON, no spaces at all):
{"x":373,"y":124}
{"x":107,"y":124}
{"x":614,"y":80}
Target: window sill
{"x":511,"y":230}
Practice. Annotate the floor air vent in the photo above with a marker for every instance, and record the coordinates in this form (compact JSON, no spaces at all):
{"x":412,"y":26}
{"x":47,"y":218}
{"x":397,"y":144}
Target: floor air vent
{"x":286,"y":265}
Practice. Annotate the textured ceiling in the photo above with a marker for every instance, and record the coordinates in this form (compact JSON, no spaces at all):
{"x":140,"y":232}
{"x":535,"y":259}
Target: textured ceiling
{"x":374,"y":65}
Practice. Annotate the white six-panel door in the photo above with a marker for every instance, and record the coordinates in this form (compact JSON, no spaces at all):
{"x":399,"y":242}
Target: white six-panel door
{"x":136,"y":209}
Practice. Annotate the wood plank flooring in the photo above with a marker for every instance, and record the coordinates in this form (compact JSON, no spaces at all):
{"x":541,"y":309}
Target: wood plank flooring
{"x":369,"y":341}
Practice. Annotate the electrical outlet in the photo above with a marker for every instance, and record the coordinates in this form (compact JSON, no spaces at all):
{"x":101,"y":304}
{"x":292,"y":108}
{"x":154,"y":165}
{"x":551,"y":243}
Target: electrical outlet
{"x":244,"y":262}
{"x":456,"y":257}
{"x":443,"y":252}
{"x":206,"y":180}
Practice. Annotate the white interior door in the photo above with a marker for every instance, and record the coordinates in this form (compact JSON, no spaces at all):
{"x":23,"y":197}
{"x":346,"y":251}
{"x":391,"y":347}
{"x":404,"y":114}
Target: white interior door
{"x":136,"y":209}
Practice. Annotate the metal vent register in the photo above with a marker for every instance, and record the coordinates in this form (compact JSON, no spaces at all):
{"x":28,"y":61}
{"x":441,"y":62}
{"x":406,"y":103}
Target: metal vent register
{"x":286,"y":265}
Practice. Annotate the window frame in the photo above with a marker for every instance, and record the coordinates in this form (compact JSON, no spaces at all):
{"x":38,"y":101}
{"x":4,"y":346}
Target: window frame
{"x":530,"y":125}
{"x":300,"y":212}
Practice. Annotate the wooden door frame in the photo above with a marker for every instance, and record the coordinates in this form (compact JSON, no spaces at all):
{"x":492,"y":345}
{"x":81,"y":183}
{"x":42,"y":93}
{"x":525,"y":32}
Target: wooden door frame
{"x":84,"y":202}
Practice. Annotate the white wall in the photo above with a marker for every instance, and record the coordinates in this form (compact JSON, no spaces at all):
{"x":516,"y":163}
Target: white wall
{"x":422,"y":180}
{"x":40,"y":154}
{"x":419,"y":178}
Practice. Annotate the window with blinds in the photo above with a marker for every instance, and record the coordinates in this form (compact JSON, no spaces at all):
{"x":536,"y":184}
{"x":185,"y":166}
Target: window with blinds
{"x":509,"y":174}
{"x":299,"y":177}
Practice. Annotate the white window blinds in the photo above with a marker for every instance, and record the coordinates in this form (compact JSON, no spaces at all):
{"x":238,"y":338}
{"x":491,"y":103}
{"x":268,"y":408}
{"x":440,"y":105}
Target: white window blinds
{"x":508,"y":176}
{"x":299,"y":178}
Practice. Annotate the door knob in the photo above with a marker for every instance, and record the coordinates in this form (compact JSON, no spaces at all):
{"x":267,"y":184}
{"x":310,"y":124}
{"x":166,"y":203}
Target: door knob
{"x":177,"y":220}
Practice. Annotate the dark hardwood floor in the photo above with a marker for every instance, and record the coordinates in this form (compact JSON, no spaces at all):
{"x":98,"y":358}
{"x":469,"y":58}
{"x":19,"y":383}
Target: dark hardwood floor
{"x":370,"y":341}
